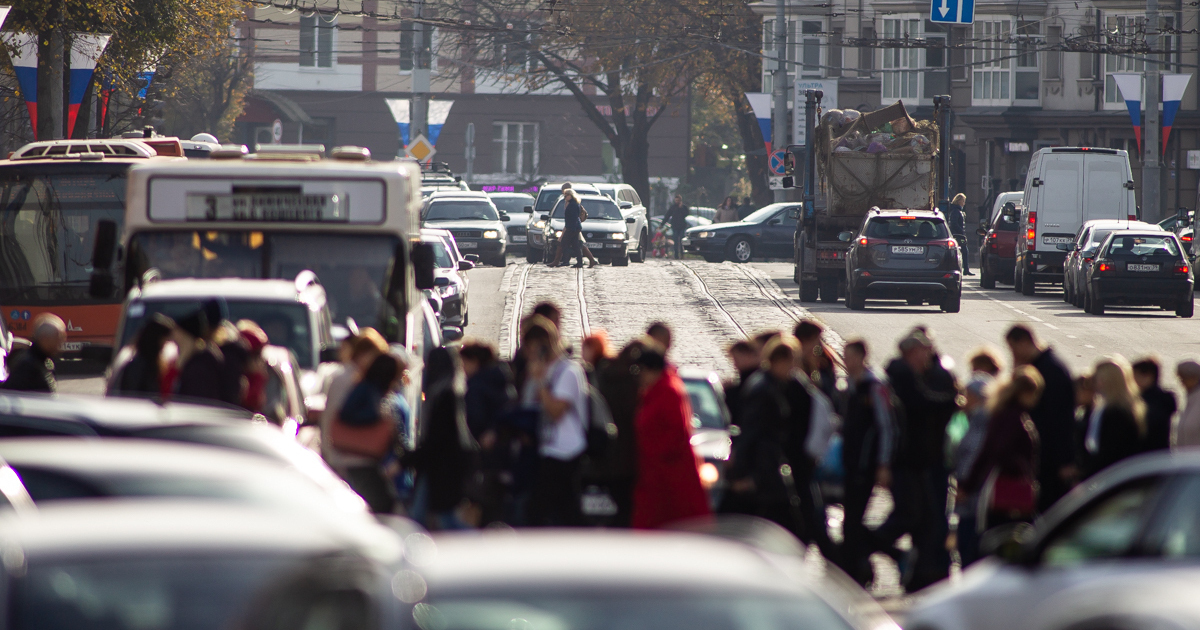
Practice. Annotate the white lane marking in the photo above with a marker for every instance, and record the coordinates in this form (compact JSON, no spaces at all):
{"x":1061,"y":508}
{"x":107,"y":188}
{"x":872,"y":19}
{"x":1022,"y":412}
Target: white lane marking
{"x":583,"y":316}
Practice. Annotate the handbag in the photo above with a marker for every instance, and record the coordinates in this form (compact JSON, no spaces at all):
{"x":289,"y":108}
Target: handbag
{"x":1013,"y":495}
{"x":583,"y":215}
{"x":372,"y":440}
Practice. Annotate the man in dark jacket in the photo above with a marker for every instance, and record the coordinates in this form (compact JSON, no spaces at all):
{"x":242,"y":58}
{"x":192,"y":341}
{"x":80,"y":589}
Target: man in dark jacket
{"x":745,"y":209}
{"x":1053,"y":416}
{"x":34,"y":370}
{"x":489,"y":399}
{"x":676,"y":217}
{"x":1160,"y":404}
{"x":745,"y":358}
{"x":956,"y":220}
{"x":868,"y":437}
{"x":928,"y":394}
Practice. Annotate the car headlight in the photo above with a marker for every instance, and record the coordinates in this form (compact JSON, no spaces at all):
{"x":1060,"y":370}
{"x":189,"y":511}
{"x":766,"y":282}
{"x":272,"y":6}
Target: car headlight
{"x":448,"y":290}
{"x":540,"y":224}
{"x":703,"y":235}
{"x":491,"y":234}
{"x":558,"y":234}
{"x":618,"y":236}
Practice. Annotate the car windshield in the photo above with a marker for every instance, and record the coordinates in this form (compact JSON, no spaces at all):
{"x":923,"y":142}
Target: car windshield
{"x":47,"y":229}
{"x":513,"y":205}
{"x":762,"y":214}
{"x":1097,"y":238}
{"x":163,"y":592}
{"x":706,"y":406}
{"x":461,"y":210}
{"x":441,"y":255}
{"x":1137,"y":246}
{"x":906,"y":227}
{"x":596,"y":209}
{"x":539,"y":610}
{"x":353,"y":268}
{"x":286,"y":323}
{"x":550,"y":196}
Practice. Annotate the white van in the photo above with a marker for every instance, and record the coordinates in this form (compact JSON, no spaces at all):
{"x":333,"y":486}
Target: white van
{"x":1065,"y":187}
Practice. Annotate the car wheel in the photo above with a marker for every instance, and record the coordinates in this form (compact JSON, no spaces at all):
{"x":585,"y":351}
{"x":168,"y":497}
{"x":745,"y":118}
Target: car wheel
{"x":1027,"y":286}
{"x":829,"y":291}
{"x":854,"y":301}
{"x":533,"y":255}
{"x":741,"y":250}
{"x":714,"y":259}
{"x":1017,"y":278}
{"x":1186,"y":308}
{"x":1066,"y":291}
{"x":953,"y":303}
{"x":808,"y":290}
{"x":640,"y":254}
{"x":621,"y":260}
{"x":1095,"y":305}
{"x":986,"y":279}
{"x":466,"y":319}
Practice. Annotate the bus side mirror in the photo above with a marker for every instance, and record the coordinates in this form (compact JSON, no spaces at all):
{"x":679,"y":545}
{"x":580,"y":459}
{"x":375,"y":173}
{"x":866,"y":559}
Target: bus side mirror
{"x":422,"y":262}
{"x":102,"y":284}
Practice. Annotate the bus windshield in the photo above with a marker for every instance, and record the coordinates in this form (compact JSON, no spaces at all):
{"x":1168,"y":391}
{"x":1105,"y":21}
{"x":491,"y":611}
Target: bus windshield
{"x":353,"y":268}
{"x":47,"y":224}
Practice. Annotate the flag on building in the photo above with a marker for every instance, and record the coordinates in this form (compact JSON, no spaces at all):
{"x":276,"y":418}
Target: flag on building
{"x":1173,"y":87}
{"x":760,"y":102}
{"x":1131,"y":90}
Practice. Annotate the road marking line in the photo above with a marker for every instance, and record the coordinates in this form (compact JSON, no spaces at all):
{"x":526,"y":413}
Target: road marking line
{"x":583,"y":316}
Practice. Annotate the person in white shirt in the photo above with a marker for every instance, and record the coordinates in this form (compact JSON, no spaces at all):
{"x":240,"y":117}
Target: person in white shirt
{"x":557,"y":385}
{"x":1187,"y":424}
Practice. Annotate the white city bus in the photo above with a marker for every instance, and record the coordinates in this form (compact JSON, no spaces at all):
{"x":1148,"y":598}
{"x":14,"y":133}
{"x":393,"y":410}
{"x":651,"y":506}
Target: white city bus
{"x":276,"y":213}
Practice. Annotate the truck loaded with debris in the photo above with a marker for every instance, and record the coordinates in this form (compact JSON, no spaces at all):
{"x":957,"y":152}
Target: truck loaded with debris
{"x":883,"y":158}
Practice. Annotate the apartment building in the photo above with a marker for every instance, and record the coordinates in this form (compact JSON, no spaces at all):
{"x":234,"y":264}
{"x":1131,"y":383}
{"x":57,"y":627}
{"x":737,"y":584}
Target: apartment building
{"x":328,"y":77}
{"x":1010,"y":96}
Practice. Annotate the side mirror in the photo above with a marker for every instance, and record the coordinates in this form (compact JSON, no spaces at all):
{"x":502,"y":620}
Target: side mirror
{"x":451,"y":333}
{"x":328,"y":355}
{"x":1007,"y":541}
{"x":528,"y":209}
{"x":463,"y":265}
{"x":102,"y":284}
{"x":846,"y":237}
{"x":441,"y":281}
{"x":472,"y":257}
{"x":625,"y":205}
{"x":631,"y":220}
{"x":504,"y":217}
{"x":545,"y":217}
{"x":789,"y":182}
{"x":981,"y":231}
{"x":774,"y":222}
{"x":422,"y":262}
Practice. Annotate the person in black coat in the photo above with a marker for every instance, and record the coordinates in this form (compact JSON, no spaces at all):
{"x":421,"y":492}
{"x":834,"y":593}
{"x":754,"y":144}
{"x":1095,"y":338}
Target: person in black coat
{"x":443,"y":458}
{"x":34,"y":370}
{"x":1053,"y":416}
{"x":1116,"y":428}
{"x":141,"y":375}
{"x":676,"y":217}
{"x":202,"y":377}
{"x":1160,"y":404}
{"x":489,"y":399}
{"x":956,"y":219}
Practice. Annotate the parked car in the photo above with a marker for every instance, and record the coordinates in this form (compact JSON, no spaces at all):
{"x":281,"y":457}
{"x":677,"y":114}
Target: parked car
{"x":195,"y":564}
{"x":998,"y":251}
{"x":604,"y":231}
{"x":1140,"y":268}
{"x":519,"y":207}
{"x":711,"y":439}
{"x":474,"y":221}
{"x":903,"y":255}
{"x":637,"y":233}
{"x":547,"y":197}
{"x":1118,"y":552}
{"x":767,"y":232}
{"x":621,"y":579}
{"x":1082,"y":252}
{"x":450,"y":283}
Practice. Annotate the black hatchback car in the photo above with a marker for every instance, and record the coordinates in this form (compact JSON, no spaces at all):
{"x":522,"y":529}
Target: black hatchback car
{"x":903,"y":255}
{"x":1140,"y":268}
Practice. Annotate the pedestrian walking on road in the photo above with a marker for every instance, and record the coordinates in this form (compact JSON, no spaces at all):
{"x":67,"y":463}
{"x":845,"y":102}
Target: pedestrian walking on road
{"x":978,"y":412}
{"x":746,"y":209}
{"x":489,"y":399}
{"x":1116,"y":428}
{"x":1003,"y":475}
{"x":1186,"y":432}
{"x":365,"y":409}
{"x":201,"y":373}
{"x":957,"y":219}
{"x":571,"y":242}
{"x":727,"y":212}
{"x":1053,"y":416}
{"x":139,"y":372}
{"x":1160,"y":404}
{"x":558,"y":252}
{"x":676,"y":217}
{"x":668,"y":485}
{"x":357,"y":353}
{"x":868,"y":439}
{"x":746,"y":360}
{"x":619,"y":383}
{"x":816,"y":360}
{"x":34,"y":370}
{"x":443,"y":458}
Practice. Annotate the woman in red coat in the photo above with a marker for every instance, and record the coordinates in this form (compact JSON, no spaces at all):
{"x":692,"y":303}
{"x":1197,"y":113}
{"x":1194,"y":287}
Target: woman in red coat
{"x":668,"y":486}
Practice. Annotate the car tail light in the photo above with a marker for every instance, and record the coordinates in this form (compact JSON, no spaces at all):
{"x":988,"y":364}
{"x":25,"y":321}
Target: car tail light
{"x":865,"y":242}
{"x":1032,"y":218}
{"x":908,"y":218}
{"x":1104,"y":266}
{"x":1181,"y":268}
{"x":948,"y":243}
{"x":1030,"y":239}
{"x":1088,"y":259}
{"x":1132,"y":217}
{"x":1186,"y":238}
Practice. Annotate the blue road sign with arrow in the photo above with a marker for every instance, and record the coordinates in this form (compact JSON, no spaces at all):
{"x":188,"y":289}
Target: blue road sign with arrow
{"x":952,"y":11}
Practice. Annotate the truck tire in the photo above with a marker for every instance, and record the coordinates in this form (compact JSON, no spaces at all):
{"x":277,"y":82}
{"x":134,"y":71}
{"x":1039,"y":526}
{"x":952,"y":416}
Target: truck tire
{"x":741,"y":250}
{"x":1186,"y":308}
{"x":986,"y":279}
{"x":1027,"y":286}
{"x":829,"y":291}
{"x":953,"y":302}
{"x":808,"y":291}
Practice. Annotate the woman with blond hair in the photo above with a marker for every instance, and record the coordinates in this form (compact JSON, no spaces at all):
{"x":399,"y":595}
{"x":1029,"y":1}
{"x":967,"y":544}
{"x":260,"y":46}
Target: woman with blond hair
{"x":1116,"y":427}
{"x":1004,"y":474}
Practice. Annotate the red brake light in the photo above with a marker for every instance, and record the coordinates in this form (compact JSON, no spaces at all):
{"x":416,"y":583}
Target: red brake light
{"x":1132,"y":217}
{"x":1031,"y":234}
{"x":863,"y":241}
{"x":1104,"y":267}
{"x":1033,"y":217}
{"x":1187,"y":238}
{"x":1084,"y":149}
{"x":1088,"y":259}
{"x":908,"y":218}
{"x":1181,"y":268}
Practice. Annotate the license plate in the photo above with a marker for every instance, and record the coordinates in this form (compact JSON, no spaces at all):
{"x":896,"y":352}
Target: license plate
{"x":1057,"y":240}
{"x":614,"y":245}
{"x":597,"y":503}
{"x":519,"y":239}
{"x":73,"y":346}
{"x":908,"y":249}
{"x":1140,"y":267}
{"x":467,"y":245}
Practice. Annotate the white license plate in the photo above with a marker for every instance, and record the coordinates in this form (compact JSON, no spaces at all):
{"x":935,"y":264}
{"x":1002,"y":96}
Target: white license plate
{"x":1140,"y":267}
{"x":467,"y":245}
{"x":597,"y":503}
{"x":519,"y":239}
{"x":614,"y":245}
{"x":908,"y":249}
{"x":73,"y":346}
{"x":1057,"y":240}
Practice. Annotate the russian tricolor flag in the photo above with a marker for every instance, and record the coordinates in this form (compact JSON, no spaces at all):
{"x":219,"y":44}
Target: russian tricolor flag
{"x":86,"y":49}
{"x":25,"y":65}
{"x":1173,"y":88}
{"x":1131,"y":90}
{"x":760,"y":102}
{"x":401,"y":108}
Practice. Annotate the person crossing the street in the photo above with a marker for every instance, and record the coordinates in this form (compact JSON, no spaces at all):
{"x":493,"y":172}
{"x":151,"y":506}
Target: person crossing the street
{"x":676,"y":217}
{"x":572,"y":234}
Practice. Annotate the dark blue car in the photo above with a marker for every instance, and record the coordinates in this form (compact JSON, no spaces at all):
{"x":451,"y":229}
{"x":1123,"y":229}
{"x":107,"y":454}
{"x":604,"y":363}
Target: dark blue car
{"x":765,"y":233}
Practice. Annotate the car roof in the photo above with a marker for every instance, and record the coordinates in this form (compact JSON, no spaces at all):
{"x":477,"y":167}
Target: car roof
{"x":597,"y":558}
{"x":122,"y":413}
{"x":88,"y":528}
{"x":441,"y":194}
{"x":1131,"y":222}
{"x":1141,"y":232}
{"x":929,"y":214}
{"x":132,"y":455}
{"x":578,"y":186}
{"x":509,"y":194}
{"x":229,"y":288}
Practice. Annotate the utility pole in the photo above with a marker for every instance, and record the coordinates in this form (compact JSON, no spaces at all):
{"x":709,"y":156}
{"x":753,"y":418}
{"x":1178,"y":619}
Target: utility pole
{"x":779,"y":88}
{"x":1151,"y":182}
{"x":470,"y":152}
{"x":941,"y":105}
{"x":419,"y":118}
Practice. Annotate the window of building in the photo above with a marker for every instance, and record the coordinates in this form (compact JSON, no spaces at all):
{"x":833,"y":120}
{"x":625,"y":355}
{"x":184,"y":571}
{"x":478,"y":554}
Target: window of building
{"x":937,"y":78}
{"x":317,"y":37}
{"x":1054,"y":57}
{"x":835,"y":54}
{"x":1026,"y":79}
{"x":407,"y":54}
{"x":991,"y":79}
{"x":1122,"y":30}
{"x":959,"y":70}
{"x":1087,"y":63}
{"x":810,"y":48}
{"x":516,"y":147}
{"x":866,"y":56}
{"x":900,"y":82}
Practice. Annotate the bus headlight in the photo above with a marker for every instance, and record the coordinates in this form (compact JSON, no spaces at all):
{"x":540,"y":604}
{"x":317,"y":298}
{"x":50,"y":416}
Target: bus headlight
{"x":491,"y":234}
